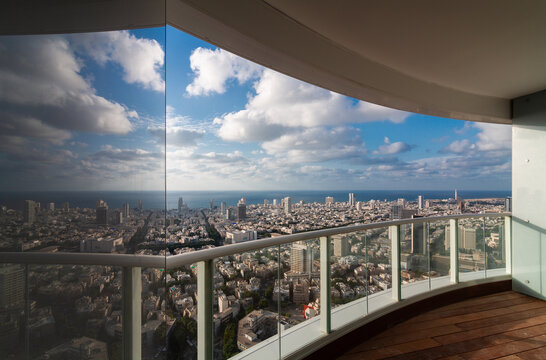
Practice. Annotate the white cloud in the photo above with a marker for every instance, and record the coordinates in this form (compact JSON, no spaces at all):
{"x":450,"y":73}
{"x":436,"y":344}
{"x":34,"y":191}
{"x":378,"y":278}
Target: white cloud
{"x":40,"y":80}
{"x":459,"y":147}
{"x":180,"y":131}
{"x":494,"y":136}
{"x":282,"y":103}
{"x":392,"y":148}
{"x":213,"y":68}
{"x":141,"y":59}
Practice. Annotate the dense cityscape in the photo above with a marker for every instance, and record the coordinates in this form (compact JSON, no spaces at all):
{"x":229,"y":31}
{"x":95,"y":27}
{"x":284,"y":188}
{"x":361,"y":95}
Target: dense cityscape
{"x":75,"y":311}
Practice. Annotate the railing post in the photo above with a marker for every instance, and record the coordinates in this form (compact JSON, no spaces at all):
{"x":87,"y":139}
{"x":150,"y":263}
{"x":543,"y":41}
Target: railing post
{"x":204,"y":310}
{"x":508,"y":243}
{"x":131,"y":317}
{"x":325,"y":306}
{"x":27,"y":315}
{"x":454,"y":250}
{"x":394,"y":231}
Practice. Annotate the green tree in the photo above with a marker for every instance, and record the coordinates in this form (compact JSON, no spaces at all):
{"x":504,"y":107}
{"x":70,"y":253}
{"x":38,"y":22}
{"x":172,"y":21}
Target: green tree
{"x":230,"y":340}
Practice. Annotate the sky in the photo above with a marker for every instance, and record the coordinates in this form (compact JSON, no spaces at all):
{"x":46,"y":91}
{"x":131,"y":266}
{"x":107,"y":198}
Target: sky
{"x":119,"y":111}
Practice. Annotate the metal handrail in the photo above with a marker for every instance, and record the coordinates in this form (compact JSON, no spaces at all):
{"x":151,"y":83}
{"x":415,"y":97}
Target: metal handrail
{"x":174,"y":261}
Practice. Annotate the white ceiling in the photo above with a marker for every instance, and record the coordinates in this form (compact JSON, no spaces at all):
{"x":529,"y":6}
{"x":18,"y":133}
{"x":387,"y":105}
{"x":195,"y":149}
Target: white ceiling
{"x":493,"y":48}
{"x":464,"y":59}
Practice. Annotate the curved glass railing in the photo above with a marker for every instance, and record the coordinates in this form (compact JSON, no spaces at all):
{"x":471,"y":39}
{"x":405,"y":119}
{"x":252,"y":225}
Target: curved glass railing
{"x":268,"y":298}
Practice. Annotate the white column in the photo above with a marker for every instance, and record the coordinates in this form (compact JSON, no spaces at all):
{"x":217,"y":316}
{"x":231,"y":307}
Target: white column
{"x":394,"y":232}
{"x":204,"y":310}
{"x":325,"y":308}
{"x":454,"y":250}
{"x":131,"y":317}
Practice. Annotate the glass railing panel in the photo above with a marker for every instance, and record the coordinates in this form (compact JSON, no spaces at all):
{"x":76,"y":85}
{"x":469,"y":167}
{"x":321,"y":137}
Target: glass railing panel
{"x":300,"y":305}
{"x":471,"y":249}
{"x":245,"y":307}
{"x":379,"y":269}
{"x":414,"y":260}
{"x":440,"y":254}
{"x":350,"y":277}
{"x":495,"y":246}
{"x":155,"y":321}
{"x":75,"y":309}
{"x":181,"y":312}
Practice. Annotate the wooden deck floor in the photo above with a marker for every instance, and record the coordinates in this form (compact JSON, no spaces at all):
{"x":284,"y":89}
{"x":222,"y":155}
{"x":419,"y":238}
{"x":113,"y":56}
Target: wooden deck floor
{"x":507,"y":326}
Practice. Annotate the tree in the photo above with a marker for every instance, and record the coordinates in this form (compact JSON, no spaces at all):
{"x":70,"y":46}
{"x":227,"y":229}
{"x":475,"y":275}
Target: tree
{"x":230,"y":340}
{"x":269,"y":292}
{"x":263,"y":303}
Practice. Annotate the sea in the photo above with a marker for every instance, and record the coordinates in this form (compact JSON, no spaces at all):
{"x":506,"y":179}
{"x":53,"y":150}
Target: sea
{"x":201,"y":199}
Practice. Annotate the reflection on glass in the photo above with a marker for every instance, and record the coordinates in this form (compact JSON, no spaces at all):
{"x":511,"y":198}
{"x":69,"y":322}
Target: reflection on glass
{"x":471,"y":248}
{"x":495,"y":246}
{"x":439,"y":254}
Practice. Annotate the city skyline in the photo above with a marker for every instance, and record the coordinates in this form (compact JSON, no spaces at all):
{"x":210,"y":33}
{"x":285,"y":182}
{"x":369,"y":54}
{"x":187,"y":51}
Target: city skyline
{"x":229,"y":125}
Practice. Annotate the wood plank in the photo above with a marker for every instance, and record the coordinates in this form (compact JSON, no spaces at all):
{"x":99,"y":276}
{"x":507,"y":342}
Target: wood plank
{"x":442,"y":313}
{"x":536,"y":354}
{"x":418,"y":334}
{"x":393,"y":350}
{"x":528,"y":325}
{"x":510,"y":348}
{"x":537,"y":309}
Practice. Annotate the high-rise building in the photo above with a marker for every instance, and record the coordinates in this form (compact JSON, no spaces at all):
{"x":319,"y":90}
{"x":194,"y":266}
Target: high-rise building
{"x":508,"y":204}
{"x":118,"y":217}
{"x":398,"y":212}
{"x":352,"y":200}
{"x":12,"y":286}
{"x":266,"y":202}
{"x":126,"y":210}
{"x":140,"y":205}
{"x":275,"y":202}
{"x":51,"y":206}
{"x":29,"y":211}
{"x":300,"y":292}
{"x":402,"y":202}
{"x":418,"y":239}
{"x":212,"y":204}
{"x":456,"y":196}
{"x":66,"y":207}
{"x":466,"y":238}
{"x":180,"y":204}
{"x":341,"y":245}
{"x":301,"y":258}
{"x":329,"y":200}
{"x":102,"y":212}
{"x":223,"y":207}
{"x":242,"y":201}
{"x":420,"y":202}
{"x":287,"y":205}
{"x":241,"y":211}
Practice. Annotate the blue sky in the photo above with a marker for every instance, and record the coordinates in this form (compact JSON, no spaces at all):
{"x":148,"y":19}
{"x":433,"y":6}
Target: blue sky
{"x":87,"y":112}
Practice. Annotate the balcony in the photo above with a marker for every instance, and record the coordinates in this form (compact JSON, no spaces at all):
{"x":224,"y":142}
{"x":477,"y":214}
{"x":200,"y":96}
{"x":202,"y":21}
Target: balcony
{"x":397,"y":265}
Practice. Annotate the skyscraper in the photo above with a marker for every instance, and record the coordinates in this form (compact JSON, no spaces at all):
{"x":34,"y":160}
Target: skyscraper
{"x":352,"y":201}
{"x":212,"y":204}
{"x":301,"y":258}
{"x":139,"y":205}
{"x":329,"y":200}
{"x":287,"y":205}
{"x":29,"y":211}
{"x":51,"y":206}
{"x":508,"y":204}
{"x":180,"y":204}
{"x":420,"y":202}
{"x":456,"y":196}
{"x":102,"y":212}
{"x":266,"y":202}
{"x":241,"y":211}
{"x":223,"y":207}
{"x":275,"y":202}
{"x":12,"y":286}
{"x":66,"y":207}
{"x":418,"y":239}
{"x":341,"y":245}
{"x":126,"y":210}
